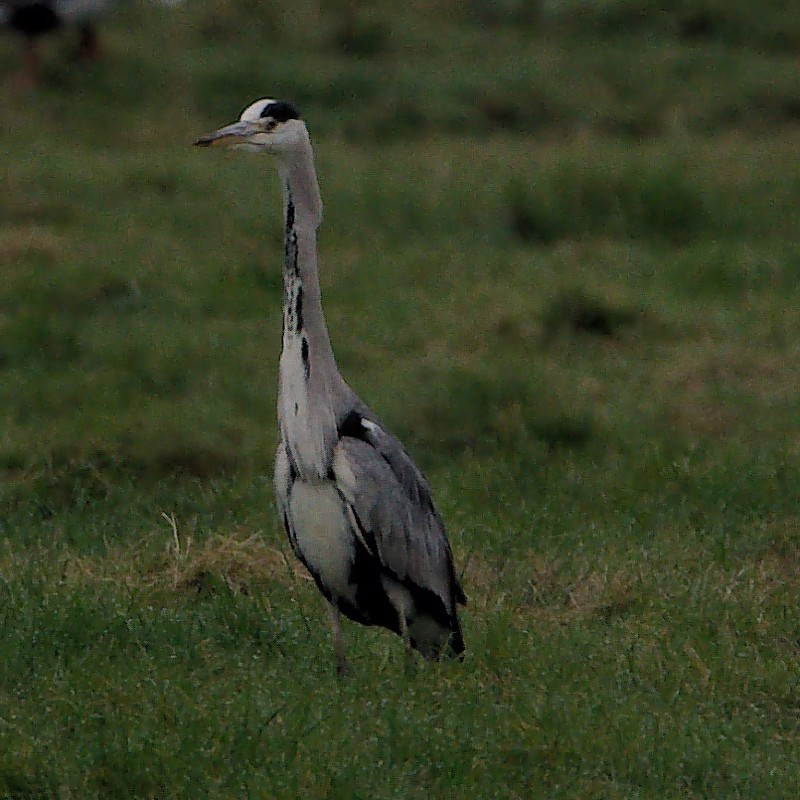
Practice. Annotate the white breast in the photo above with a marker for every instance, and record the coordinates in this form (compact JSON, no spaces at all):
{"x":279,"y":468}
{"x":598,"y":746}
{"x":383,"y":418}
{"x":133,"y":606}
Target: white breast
{"x":323,"y":534}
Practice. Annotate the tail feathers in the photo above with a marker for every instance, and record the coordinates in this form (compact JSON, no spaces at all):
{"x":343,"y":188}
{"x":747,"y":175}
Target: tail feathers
{"x":433,"y":627}
{"x":434,"y":640}
{"x":460,"y":597}
{"x":456,"y":644}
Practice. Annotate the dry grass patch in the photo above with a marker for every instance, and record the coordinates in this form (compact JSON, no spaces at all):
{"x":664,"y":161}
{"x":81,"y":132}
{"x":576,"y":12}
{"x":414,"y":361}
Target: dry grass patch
{"x":31,"y":242}
{"x":703,"y":388}
{"x":239,"y":561}
{"x":549,"y":589}
{"x":553,"y":591}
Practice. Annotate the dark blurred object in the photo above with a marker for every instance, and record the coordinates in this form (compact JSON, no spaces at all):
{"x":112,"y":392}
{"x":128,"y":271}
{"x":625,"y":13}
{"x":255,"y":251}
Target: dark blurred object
{"x":35,"y":18}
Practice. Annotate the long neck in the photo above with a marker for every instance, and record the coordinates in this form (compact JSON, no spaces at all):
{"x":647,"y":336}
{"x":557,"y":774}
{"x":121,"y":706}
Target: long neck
{"x":312,"y":395}
{"x":302,"y":214}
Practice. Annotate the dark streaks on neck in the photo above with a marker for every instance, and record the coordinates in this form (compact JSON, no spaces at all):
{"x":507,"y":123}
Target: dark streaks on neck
{"x":289,"y":210}
{"x":292,"y":280}
{"x":298,"y":309}
{"x":305,"y":357}
{"x":290,"y":243}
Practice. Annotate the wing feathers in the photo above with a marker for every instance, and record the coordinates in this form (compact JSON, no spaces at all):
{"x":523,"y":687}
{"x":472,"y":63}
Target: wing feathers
{"x":391,"y":499}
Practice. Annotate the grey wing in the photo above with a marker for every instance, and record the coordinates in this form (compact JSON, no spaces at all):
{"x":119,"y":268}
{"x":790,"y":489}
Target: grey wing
{"x":392,"y":502}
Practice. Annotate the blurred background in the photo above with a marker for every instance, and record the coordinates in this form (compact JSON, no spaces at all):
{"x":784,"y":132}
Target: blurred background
{"x":559,"y":258}
{"x":548,"y":224}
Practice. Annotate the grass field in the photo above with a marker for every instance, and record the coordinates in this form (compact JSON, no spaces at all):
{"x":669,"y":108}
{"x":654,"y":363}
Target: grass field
{"x":560,"y":260}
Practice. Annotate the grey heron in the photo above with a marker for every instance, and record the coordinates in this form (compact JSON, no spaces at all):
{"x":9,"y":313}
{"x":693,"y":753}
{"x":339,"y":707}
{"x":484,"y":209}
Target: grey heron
{"x":356,"y":508}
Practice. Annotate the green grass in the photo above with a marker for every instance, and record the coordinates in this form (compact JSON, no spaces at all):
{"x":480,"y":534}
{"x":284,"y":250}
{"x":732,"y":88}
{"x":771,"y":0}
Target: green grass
{"x":559,"y":259}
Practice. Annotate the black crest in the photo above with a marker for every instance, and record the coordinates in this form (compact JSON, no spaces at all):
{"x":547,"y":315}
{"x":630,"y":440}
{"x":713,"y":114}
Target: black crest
{"x":280,"y":111}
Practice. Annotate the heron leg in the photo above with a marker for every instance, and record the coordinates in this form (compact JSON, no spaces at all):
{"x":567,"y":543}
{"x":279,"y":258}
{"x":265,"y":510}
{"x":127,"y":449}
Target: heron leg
{"x":338,"y":641}
{"x":401,"y":601}
{"x":29,"y":77}
{"x":409,"y":662}
{"x":401,"y":617}
{"x":88,"y":43}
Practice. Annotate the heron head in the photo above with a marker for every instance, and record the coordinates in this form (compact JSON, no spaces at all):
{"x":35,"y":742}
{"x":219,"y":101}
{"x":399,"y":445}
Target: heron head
{"x":266,"y":126}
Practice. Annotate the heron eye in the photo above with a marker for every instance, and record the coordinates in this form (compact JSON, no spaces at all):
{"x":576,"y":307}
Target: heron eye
{"x":269,"y":124}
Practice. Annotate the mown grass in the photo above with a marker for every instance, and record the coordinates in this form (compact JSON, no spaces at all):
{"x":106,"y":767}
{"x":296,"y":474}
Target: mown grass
{"x":558,"y":259}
